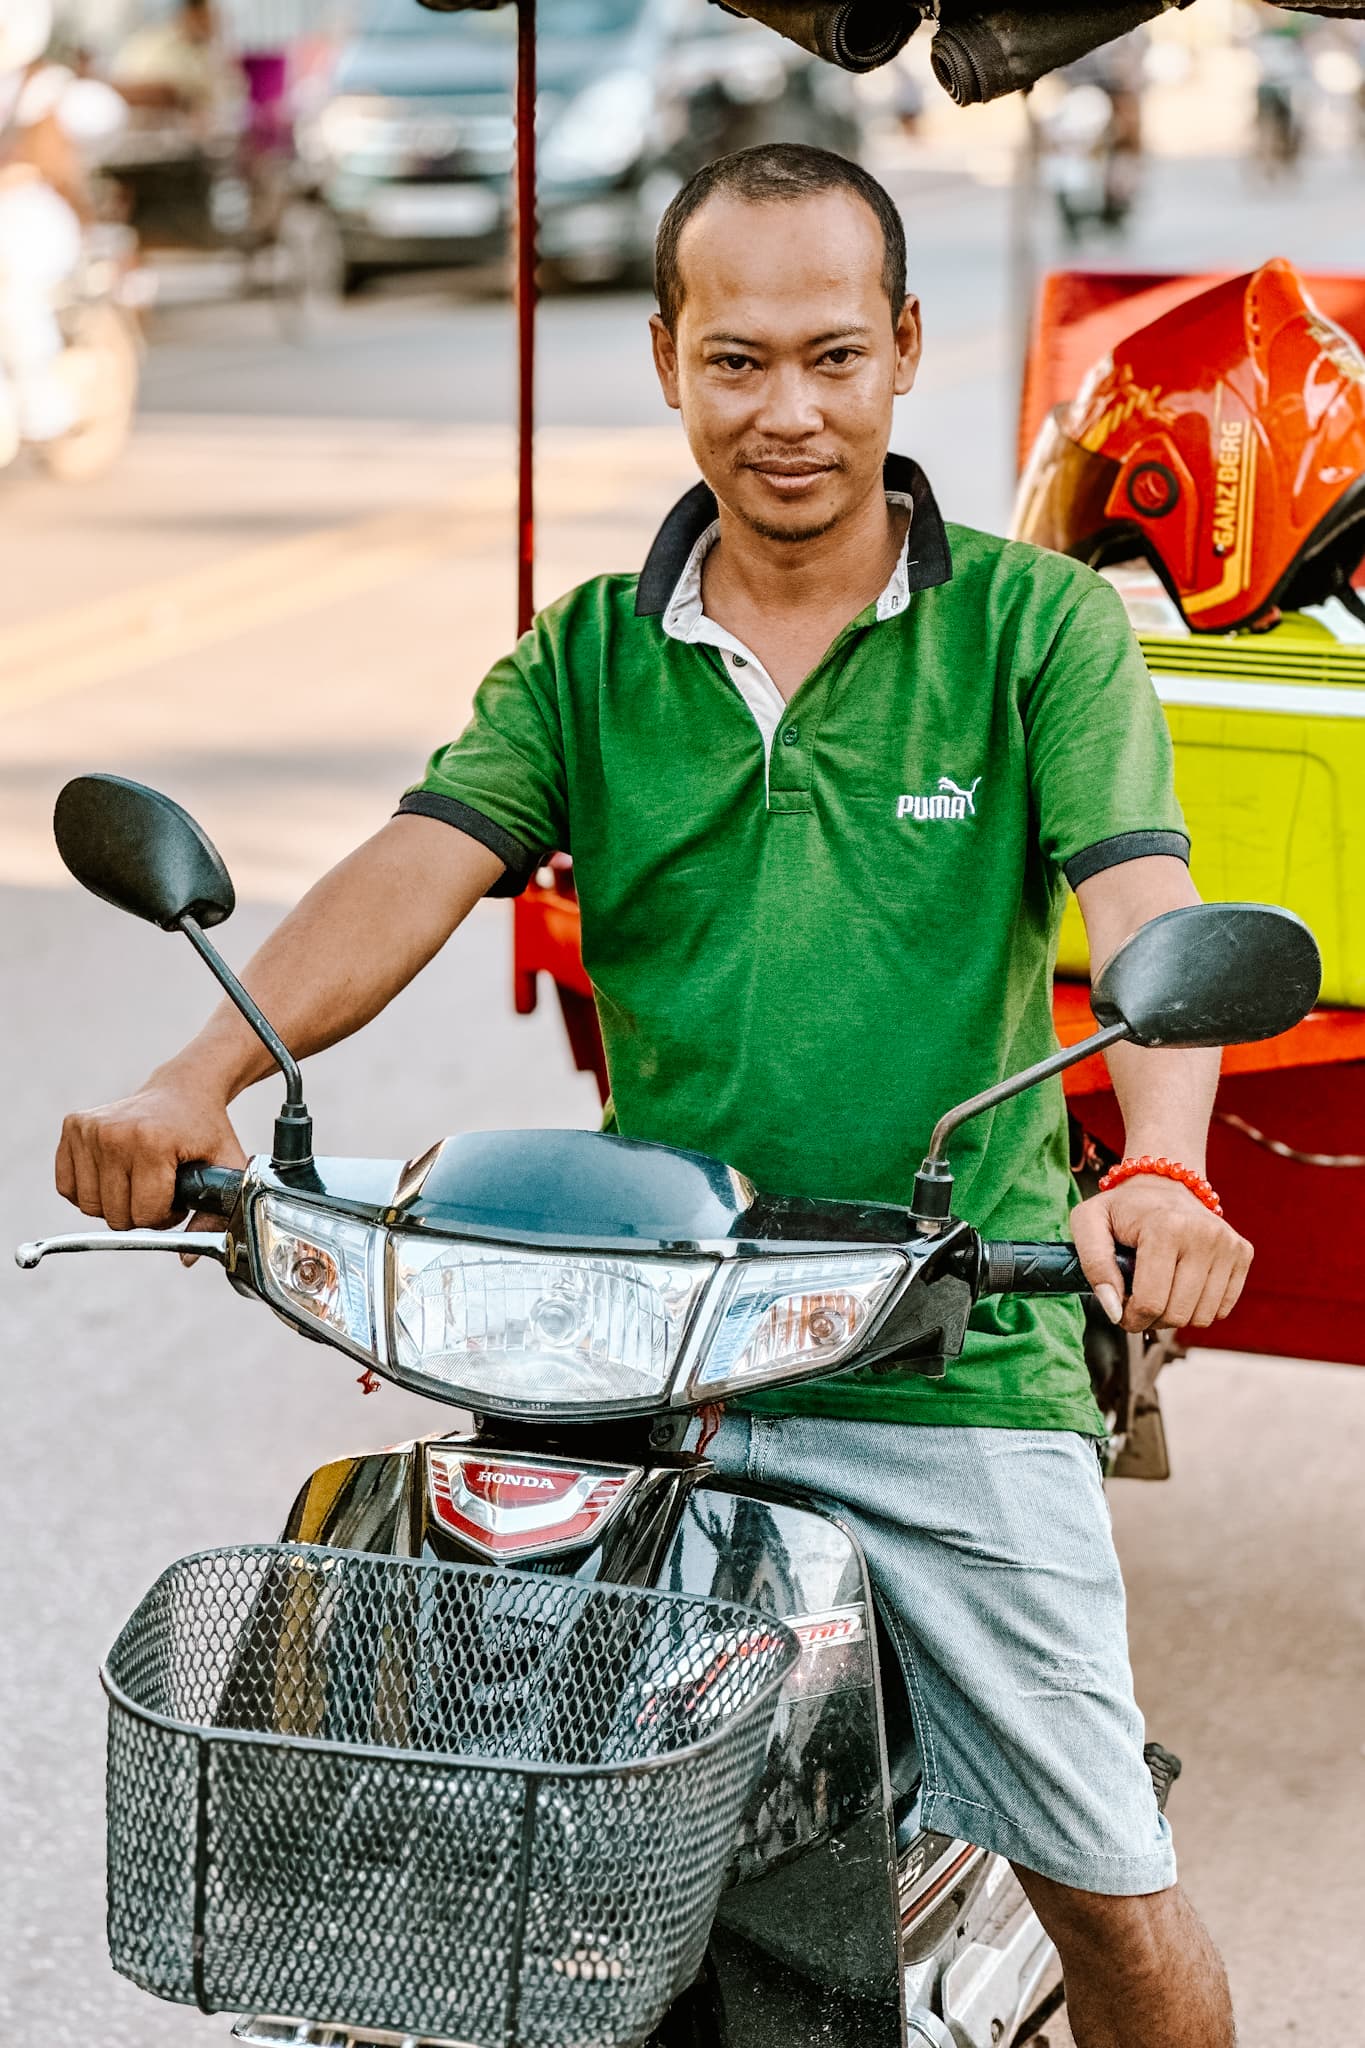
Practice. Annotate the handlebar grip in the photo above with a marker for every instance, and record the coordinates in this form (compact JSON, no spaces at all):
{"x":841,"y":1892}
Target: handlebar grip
{"x":1042,"y":1269}
{"x":213,"y":1190}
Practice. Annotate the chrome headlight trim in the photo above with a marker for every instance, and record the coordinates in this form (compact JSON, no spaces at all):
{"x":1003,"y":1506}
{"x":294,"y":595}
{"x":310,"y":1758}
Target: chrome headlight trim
{"x":726,"y":1301}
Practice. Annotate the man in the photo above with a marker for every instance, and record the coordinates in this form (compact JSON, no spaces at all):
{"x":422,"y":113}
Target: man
{"x":800,"y":959}
{"x":180,"y":65}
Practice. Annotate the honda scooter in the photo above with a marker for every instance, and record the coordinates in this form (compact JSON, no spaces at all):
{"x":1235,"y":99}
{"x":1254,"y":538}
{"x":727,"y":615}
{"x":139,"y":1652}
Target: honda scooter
{"x":542,"y":1734}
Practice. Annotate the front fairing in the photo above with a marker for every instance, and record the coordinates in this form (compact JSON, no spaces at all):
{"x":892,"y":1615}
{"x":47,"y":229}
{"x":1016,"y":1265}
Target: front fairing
{"x":583,"y":1193}
{"x":575,"y":1189}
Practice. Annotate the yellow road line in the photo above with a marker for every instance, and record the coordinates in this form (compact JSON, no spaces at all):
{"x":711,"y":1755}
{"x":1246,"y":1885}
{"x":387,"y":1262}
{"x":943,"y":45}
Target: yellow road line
{"x":111,"y":637}
{"x":96,"y":643}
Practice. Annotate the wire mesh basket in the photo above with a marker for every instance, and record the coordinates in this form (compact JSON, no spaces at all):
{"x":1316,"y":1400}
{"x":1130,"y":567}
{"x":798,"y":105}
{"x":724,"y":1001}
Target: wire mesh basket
{"x":491,"y":1807}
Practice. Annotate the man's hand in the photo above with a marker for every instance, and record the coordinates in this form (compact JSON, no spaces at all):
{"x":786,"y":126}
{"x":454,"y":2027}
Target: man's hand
{"x":1191,"y":1265}
{"x":119,"y":1162}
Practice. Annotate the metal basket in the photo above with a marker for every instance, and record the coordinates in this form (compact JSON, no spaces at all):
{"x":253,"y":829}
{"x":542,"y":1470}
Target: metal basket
{"x":491,"y":1807}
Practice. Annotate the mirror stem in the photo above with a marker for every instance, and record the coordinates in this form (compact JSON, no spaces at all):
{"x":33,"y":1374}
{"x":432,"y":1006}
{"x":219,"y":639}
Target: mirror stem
{"x":293,"y":1125}
{"x":933,"y":1197}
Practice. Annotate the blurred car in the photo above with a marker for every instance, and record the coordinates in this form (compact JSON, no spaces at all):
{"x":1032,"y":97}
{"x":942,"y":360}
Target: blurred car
{"x":411,"y":154}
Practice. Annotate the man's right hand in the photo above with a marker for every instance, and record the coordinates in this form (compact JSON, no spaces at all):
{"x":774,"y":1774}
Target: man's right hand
{"x":119,"y":1162}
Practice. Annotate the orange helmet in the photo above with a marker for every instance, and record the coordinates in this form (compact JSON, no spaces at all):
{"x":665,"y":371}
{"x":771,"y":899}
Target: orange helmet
{"x":1226,"y":443}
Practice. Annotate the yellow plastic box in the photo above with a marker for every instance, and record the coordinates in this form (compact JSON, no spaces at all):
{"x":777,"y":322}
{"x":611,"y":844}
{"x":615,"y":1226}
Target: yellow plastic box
{"x":1269,"y":733}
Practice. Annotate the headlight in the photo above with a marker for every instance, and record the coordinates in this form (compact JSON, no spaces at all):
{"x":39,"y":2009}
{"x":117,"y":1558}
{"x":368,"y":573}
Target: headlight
{"x":541,"y":1329}
{"x":354,"y":126}
{"x":390,"y":134}
{"x":318,"y":1267}
{"x":550,"y":1331}
{"x":602,"y":131}
{"x":785,"y":1318}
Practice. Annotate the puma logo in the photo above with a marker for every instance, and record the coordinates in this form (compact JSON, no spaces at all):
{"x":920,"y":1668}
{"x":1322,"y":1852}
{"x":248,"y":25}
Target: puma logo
{"x":951,"y":801}
{"x":945,"y":782}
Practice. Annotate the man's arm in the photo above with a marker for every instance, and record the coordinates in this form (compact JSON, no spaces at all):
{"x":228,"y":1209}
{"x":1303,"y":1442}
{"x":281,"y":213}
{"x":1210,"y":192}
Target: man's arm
{"x":1191,"y":1265}
{"x":354,"y":941}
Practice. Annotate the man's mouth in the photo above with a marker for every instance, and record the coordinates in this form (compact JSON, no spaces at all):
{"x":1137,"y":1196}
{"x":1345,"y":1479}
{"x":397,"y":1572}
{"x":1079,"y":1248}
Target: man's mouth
{"x":790,"y":475}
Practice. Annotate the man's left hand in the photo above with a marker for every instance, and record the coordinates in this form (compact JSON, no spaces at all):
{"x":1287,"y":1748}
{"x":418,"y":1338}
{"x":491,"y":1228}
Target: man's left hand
{"x":1191,"y":1265}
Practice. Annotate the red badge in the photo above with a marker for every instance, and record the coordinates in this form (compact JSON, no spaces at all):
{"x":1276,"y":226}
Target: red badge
{"x":506,"y":1507}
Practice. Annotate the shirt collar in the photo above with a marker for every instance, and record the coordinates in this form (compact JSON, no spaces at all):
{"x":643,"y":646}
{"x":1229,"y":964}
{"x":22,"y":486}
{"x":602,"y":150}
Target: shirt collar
{"x":685,"y":610}
{"x":680,"y":546}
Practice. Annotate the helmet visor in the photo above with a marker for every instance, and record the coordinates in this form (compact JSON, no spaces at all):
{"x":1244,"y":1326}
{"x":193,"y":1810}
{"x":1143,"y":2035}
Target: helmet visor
{"x":1064,"y":490}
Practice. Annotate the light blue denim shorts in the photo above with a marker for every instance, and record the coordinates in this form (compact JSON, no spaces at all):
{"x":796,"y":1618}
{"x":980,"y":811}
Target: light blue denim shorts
{"x":994,"y":1568}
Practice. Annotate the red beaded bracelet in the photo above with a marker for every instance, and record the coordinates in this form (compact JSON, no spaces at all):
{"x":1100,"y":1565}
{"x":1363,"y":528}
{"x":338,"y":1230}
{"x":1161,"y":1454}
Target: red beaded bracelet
{"x":1167,"y":1169}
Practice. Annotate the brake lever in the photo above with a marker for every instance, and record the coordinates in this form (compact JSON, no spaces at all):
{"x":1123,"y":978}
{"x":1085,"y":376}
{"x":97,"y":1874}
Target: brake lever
{"x":211,"y":1244}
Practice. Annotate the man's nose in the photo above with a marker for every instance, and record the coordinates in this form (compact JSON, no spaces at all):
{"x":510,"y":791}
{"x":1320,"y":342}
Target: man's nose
{"x":789,"y":406}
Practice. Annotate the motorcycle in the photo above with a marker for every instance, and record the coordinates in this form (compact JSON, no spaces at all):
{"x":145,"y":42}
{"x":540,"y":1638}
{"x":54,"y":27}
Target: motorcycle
{"x":543,"y":1734}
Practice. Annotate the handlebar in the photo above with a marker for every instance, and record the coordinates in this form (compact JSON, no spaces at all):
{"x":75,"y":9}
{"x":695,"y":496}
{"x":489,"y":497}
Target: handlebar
{"x":1042,"y":1269}
{"x":212,"y":1190}
{"x":1006,"y":1268}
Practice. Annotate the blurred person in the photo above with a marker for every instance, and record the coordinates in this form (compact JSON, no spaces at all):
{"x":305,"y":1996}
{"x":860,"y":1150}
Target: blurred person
{"x":827,"y":766}
{"x":1092,"y":134}
{"x":1283,"y":84}
{"x":1119,"y":69}
{"x":42,"y":193}
{"x":181,"y":65}
{"x":907,"y":95}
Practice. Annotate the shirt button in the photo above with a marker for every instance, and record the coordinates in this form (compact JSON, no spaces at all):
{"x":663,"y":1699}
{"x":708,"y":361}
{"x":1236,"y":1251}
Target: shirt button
{"x":739,"y":661}
{"x":790,"y":735}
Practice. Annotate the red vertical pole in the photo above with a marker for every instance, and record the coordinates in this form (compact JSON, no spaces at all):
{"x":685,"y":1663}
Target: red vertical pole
{"x":525,"y":230}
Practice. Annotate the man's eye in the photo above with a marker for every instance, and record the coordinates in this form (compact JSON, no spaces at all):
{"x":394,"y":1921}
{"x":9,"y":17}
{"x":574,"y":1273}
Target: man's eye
{"x":839,"y":357}
{"x":731,"y":362}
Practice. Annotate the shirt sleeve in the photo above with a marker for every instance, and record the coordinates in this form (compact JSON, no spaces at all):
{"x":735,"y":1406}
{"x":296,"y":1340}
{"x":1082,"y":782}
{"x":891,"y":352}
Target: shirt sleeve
{"x":1099,"y":748}
{"x":503,"y":780}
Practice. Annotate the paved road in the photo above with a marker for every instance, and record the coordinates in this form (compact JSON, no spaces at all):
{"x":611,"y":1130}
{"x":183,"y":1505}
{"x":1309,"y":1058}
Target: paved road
{"x":276,"y":605}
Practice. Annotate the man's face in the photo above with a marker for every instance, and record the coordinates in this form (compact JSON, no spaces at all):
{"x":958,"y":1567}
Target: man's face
{"x":786,"y":358}
{"x":197,"y":23}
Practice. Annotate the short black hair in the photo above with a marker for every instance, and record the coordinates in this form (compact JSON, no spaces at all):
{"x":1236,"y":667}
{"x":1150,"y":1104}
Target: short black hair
{"x":773,"y":172}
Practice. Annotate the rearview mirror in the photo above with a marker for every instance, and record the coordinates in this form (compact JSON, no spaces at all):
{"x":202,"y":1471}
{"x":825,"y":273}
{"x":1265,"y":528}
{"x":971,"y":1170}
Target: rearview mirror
{"x":1211,"y":974}
{"x":1208,"y":974}
{"x":139,"y":851}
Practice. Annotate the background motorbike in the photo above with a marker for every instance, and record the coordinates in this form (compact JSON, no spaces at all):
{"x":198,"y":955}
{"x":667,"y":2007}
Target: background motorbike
{"x":544,"y":1733}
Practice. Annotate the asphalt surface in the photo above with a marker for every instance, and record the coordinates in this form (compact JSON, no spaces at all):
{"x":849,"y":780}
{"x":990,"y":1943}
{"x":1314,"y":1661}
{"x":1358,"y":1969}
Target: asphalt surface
{"x":274,"y":607}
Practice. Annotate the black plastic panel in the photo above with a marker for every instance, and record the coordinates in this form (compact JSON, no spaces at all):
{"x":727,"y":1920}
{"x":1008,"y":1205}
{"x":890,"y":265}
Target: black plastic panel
{"x":813,"y":1875}
{"x":806,"y":1939}
{"x":576,"y":1184}
{"x":582,"y":1188}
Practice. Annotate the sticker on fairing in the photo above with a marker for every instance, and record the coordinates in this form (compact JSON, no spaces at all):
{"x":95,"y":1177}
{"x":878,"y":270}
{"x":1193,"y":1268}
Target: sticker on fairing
{"x":523,"y":1507}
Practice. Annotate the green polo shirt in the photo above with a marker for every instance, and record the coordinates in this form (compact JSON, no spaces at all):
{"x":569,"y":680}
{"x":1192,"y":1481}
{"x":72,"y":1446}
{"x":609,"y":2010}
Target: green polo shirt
{"x":804,"y":952}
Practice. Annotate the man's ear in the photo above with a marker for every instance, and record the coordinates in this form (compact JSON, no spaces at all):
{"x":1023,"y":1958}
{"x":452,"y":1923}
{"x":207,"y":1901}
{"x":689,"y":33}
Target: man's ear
{"x":665,"y":360}
{"x":909,"y":340}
